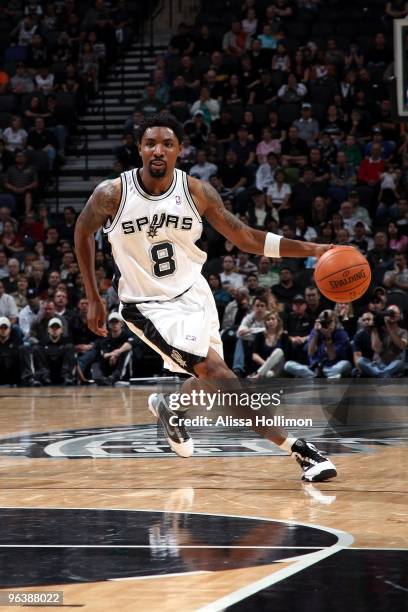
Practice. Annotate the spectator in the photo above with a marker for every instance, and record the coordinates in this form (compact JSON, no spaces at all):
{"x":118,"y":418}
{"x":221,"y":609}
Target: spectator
{"x":267,"y":277}
{"x":197,"y":129}
{"x":362,"y":341}
{"x":229,"y":278}
{"x":388,"y":343}
{"x":267,"y":145}
{"x":286,"y":289}
{"x":251,"y":324}
{"x":327,"y":350}
{"x":10,"y":354}
{"x":381,"y":257}
{"x":236,"y":41}
{"x":53,"y":357}
{"x":39,"y":327}
{"x":10,"y":281}
{"x":40,"y":139}
{"x":182,"y":42}
{"x":8,"y":307}
{"x":150,"y":104}
{"x":269,"y":348}
{"x":244,"y":148}
{"x":298,"y":326}
{"x":294,"y":149}
{"x":31,"y":312}
{"x":396,"y":240}
{"x":210,"y":106}
{"x":360,"y":240}
{"x":308,"y":128}
{"x":113,"y":353}
{"x":128,"y":153}
{"x":292,"y":92}
{"x":343,"y":178}
{"x":372,"y":167}
{"x":66,"y":228}
{"x":203,"y":169}
{"x":278,"y":194}
{"x":44,"y":80}
{"x":265,"y":174}
{"x":233,"y":174}
{"x":314,"y":302}
{"x":396,"y":279}
{"x":221,"y":296}
{"x":15,"y":136}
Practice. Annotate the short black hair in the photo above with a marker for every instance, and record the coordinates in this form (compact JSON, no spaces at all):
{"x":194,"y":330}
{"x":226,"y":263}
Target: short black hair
{"x":162,"y":120}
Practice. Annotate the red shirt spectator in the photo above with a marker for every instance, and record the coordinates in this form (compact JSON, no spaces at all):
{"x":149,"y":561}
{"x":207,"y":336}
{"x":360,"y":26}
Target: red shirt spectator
{"x":372,"y":167}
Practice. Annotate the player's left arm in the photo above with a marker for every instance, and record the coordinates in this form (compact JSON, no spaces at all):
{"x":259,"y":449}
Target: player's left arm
{"x":210,"y":205}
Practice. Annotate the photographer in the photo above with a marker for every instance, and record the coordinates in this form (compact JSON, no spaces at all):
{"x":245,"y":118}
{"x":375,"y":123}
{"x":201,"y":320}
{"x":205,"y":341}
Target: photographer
{"x":327,"y":349}
{"x":388,"y":343}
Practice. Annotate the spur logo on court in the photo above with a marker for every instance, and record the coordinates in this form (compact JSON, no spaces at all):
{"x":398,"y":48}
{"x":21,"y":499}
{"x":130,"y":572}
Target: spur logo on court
{"x":146,"y":441}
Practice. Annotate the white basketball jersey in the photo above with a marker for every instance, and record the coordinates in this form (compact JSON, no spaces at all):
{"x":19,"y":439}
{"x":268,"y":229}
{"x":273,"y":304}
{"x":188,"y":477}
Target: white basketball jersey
{"x":153,"y":240}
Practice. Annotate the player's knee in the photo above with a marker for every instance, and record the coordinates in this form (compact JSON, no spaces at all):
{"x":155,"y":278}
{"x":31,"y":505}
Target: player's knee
{"x":210,"y":368}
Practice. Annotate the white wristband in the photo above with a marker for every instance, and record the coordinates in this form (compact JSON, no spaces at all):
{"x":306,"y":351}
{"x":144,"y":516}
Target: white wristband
{"x":272,"y":245}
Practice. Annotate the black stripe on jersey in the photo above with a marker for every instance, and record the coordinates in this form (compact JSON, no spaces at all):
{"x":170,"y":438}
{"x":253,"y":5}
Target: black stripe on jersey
{"x":187,"y":361}
{"x":189,"y":197}
{"x":123,"y":194}
{"x":150,"y":196}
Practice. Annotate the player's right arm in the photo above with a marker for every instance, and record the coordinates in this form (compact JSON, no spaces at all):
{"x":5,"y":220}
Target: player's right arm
{"x":102,"y":205}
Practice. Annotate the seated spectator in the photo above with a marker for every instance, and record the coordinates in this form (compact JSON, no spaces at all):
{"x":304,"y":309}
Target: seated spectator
{"x":10,"y":241}
{"x":267,"y":145}
{"x":41,"y":139}
{"x":30,"y":313}
{"x":294,"y":149}
{"x":182,"y":42}
{"x":270,"y":347}
{"x":278,"y":194}
{"x":203,"y":169}
{"x":224,"y":127}
{"x":210,"y":106}
{"x":286,"y":289}
{"x":37,"y":52}
{"x":292,"y":92}
{"x":221,"y":296}
{"x":359,"y":211}
{"x":298,"y":325}
{"x":265,"y":174}
{"x":187,"y":155}
{"x":268,"y":276}
{"x":233,"y":174}
{"x":308,"y":128}
{"x":388,"y":343}
{"x":244,"y":147}
{"x":396,"y":279}
{"x":381,"y":257}
{"x":197,"y":130}
{"x":362,"y":341}
{"x":21,"y":181}
{"x":25,"y":30}
{"x":39,"y":326}
{"x":11,"y":357}
{"x":128,"y":153}
{"x":181,"y":98}
{"x":44,"y":81}
{"x":234,"y":92}
{"x":20,"y":294}
{"x":346,"y":317}
{"x":281,"y":59}
{"x":236,"y":310}
{"x":264,"y":92}
{"x":244,"y":265}
{"x":54,"y":357}
{"x":396,"y":239}
{"x":205,"y":42}
{"x":360,"y":240}
{"x":306,"y":191}
{"x":352,"y":151}
{"x":150,"y":103}
{"x":229,"y":278}
{"x":372,"y":167}
{"x":320,"y":168}
{"x":303,"y":231}
{"x":113,"y":353}
{"x":258,"y":212}
{"x":314,"y":301}
{"x":235,"y":42}
{"x":8,"y":307}
{"x":343,"y":178}
{"x":10,"y":281}
{"x":251,"y":324}
{"x":15,"y":136}
{"x":387,"y":147}
{"x":327,"y":349}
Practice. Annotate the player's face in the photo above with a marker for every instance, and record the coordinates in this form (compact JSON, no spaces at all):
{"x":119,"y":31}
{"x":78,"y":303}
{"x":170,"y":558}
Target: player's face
{"x":159,"y":149}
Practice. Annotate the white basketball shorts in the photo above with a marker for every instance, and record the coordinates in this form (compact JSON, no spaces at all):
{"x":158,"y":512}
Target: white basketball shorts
{"x":181,"y":330}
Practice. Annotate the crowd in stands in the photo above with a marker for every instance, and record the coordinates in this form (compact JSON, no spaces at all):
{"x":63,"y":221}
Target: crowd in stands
{"x":55,"y":56}
{"x":287,"y":111}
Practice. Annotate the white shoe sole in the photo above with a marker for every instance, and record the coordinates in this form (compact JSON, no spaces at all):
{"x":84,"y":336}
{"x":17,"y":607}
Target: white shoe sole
{"x":182,"y":449}
{"x":320,"y":471}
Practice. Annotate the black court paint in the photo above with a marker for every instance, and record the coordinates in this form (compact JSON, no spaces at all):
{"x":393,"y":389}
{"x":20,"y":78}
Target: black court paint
{"x":57,"y":546}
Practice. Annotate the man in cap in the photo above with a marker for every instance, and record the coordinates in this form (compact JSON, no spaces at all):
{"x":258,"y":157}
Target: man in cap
{"x":54,"y":356}
{"x":298,"y":325}
{"x":10,"y":354}
{"x":31,"y":312}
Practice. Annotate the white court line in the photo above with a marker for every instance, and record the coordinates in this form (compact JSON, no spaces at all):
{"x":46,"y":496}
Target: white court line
{"x":160,"y":546}
{"x":160,"y":576}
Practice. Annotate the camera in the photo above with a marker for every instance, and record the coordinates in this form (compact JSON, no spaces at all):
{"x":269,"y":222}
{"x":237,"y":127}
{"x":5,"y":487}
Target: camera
{"x":325,"y":319}
{"x":379,"y":318}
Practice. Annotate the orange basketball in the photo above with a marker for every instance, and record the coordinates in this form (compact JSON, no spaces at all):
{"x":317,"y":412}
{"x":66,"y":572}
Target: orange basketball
{"x":342,"y":274}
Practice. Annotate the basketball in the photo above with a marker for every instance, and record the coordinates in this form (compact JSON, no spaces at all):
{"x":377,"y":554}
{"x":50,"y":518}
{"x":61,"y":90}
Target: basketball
{"x":342,"y":274}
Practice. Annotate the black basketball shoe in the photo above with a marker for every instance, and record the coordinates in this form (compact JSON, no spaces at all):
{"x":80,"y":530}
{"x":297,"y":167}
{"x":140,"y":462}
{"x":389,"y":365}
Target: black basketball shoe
{"x":314,"y":464}
{"x":174,"y":431}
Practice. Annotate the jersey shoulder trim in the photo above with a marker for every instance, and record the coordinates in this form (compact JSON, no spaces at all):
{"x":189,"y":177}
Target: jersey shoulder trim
{"x":123,"y":185}
{"x":189,"y":196}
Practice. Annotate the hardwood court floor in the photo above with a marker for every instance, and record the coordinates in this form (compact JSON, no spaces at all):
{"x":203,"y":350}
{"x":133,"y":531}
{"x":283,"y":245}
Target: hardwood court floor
{"x":89,"y":507}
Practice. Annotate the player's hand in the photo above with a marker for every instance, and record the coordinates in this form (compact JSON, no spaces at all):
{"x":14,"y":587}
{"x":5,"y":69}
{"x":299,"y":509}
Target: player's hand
{"x":322,"y":248}
{"x":96,"y":318}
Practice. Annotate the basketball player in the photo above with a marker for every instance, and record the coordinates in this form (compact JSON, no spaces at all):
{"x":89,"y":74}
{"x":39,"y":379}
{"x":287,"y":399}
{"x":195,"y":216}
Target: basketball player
{"x":152,"y":217}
